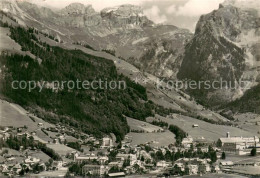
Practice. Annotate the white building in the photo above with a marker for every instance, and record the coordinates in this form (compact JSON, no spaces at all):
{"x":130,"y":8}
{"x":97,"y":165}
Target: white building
{"x":226,"y":163}
{"x":162,"y":164}
{"x":107,"y":142}
{"x":31,"y":160}
{"x":40,"y":124}
{"x":131,"y":157}
{"x":103,"y":159}
{"x":95,"y":170}
{"x":186,"y":142}
{"x":82,"y":158}
{"x":237,"y":144}
{"x":58,"y":164}
{"x":116,"y":164}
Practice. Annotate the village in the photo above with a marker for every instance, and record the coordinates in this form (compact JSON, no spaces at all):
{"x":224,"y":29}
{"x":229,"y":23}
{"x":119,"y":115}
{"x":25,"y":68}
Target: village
{"x":152,"y":128}
{"x":72,"y":153}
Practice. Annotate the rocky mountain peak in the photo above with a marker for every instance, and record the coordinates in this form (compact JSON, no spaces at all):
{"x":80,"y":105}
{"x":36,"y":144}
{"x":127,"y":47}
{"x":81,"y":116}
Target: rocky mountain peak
{"x":223,"y":47}
{"x":219,"y":21}
{"x":243,"y":4}
{"x":126,"y":10}
{"x":229,"y":21}
{"x":77,"y":9}
{"x":126,"y":14}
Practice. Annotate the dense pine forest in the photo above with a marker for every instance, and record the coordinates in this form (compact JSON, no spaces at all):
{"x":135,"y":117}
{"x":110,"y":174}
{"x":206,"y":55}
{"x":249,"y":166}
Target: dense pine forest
{"x":92,"y":111}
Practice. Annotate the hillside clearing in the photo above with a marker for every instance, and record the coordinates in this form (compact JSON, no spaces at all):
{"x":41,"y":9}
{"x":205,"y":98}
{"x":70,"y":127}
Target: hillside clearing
{"x":142,"y":126}
{"x":209,"y":132}
{"x":61,"y":149}
{"x":154,"y":138}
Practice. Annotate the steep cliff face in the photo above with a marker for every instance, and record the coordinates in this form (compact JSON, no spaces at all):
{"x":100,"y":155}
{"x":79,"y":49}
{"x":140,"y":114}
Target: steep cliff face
{"x":125,"y":16}
{"x":223,"y":48}
{"x":79,"y":15}
{"x":159,"y":53}
{"x":77,"y":9}
{"x":211,"y":54}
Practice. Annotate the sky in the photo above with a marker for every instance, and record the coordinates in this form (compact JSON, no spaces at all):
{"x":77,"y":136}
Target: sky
{"x":181,"y":13}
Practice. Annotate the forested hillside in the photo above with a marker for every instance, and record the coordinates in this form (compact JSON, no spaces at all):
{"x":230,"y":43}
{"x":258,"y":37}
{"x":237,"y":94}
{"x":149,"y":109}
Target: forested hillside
{"x":249,"y":102}
{"x":93,"y":111}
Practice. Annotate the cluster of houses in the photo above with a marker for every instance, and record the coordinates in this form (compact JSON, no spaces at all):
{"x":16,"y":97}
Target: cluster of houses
{"x":12,"y":162}
{"x":101,"y":163}
{"x":103,"y":166}
{"x":196,"y":166}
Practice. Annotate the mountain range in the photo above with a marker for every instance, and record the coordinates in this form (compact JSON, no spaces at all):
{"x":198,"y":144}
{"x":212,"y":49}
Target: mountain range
{"x":225,"y":45}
